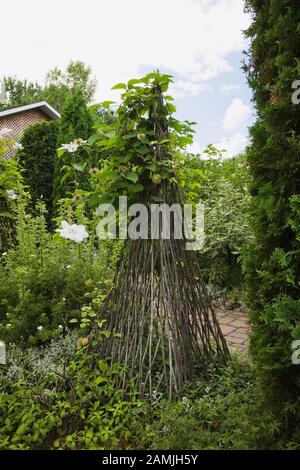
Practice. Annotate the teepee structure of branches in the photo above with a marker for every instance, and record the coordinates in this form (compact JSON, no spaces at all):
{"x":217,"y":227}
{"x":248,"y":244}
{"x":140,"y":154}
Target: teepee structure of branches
{"x":162,"y":325}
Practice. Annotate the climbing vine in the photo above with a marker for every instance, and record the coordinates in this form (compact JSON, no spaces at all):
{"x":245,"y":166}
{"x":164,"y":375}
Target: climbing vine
{"x":131,"y":139}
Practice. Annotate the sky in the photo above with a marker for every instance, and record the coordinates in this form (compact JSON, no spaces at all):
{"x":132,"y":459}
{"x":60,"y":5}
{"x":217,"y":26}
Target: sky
{"x":199,"y":42}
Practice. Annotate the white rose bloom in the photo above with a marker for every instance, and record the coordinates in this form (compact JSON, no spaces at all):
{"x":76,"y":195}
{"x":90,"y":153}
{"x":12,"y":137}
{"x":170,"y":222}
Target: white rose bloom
{"x":74,"y":232}
{"x":11,"y":194}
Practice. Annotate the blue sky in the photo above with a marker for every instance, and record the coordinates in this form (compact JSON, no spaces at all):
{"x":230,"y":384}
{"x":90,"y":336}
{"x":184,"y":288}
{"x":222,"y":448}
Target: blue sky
{"x":208,"y":109}
{"x":200,"y":42}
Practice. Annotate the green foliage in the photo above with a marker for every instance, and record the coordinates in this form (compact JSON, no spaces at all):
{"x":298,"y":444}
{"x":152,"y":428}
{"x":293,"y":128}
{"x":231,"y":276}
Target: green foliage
{"x":47,"y":280}
{"x":52,"y":399}
{"x":71,"y":171}
{"x":75,"y":120}
{"x":59,"y":84}
{"x":222,"y":186}
{"x":272,"y":262}
{"x":20,"y":92}
{"x":37,"y":159}
{"x":222,"y":409}
{"x":11,"y":186}
{"x":131,"y":140}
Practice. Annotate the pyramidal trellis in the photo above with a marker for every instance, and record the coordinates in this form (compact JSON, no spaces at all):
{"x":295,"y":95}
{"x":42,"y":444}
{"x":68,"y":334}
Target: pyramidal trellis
{"x":162,"y":323}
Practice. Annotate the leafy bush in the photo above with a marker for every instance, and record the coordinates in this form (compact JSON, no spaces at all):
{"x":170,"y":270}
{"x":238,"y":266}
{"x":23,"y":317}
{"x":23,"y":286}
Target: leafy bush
{"x":53,"y":399}
{"x":272,"y":262}
{"x":222,"y":186}
{"x":11,"y":186}
{"x":76,"y":123}
{"x":221,"y":410}
{"x":20,"y":92}
{"x":37,"y":158}
{"x":59,"y":402}
{"x":46,"y":280}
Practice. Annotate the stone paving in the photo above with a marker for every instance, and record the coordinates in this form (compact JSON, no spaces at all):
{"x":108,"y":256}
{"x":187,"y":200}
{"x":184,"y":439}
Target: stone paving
{"x":235,"y":327}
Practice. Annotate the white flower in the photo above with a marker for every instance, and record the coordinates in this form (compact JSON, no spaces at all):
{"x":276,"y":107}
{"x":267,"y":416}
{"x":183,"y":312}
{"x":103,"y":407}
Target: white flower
{"x":186,"y":402}
{"x":4,"y":253}
{"x":40,"y":328}
{"x":74,"y":232}
{"x":73,"y":146}
{"x":11,"y":194}
{"x":5,"y":131}
{"x":60,"y":327}
{"x":8,"y":325}
{"x":17,"y":146}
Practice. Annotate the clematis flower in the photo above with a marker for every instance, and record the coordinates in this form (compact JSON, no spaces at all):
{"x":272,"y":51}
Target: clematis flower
{"x":11,"y":194}
{"x":73,"y":146}
{"x":4,"y":132}
{"x":74,"y":232}
{"x":17,"y":146}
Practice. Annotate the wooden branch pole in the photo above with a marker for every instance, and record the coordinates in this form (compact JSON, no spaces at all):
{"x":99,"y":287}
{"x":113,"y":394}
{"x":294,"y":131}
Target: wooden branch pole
{"x":159,"y":303}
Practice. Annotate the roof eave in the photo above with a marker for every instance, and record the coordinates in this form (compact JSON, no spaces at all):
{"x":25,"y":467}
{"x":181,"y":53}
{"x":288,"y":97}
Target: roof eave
{"x":43,"y":105}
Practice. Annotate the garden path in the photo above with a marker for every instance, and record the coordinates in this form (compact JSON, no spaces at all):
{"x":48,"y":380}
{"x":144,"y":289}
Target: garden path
{"x":235,"y":327}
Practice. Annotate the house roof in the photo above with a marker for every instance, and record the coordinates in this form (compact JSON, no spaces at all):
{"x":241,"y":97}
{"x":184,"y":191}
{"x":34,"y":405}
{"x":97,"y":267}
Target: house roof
{"x":42,"y":105}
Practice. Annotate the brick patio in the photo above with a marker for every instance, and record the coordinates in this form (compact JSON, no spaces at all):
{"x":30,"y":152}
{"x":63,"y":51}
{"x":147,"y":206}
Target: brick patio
{"x":235,"y":327}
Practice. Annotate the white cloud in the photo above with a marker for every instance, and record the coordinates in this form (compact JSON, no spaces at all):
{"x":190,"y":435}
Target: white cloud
{"x":228,"y":88}
{"x":194,"y":148}
{"x":236,"y":115}
{"x":183,"y":88}
{"x":190,"y":38}
{"x":233,"y":145}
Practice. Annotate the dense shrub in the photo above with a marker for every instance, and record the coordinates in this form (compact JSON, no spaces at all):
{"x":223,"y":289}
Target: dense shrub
{"x":11,"y":187}
{"x":272,"y":263}
{"x":72,"y":171}
{"x":222,"y":186}
{"x":46,"y":280}
{"x":76,"y":120}
{"x":222,"y":409}
{"x":37,"y":159}
{"x":52,"y":399}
